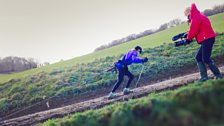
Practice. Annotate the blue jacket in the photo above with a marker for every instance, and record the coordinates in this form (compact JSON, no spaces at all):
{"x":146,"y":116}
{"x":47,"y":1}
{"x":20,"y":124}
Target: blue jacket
{"x":131,"y":57}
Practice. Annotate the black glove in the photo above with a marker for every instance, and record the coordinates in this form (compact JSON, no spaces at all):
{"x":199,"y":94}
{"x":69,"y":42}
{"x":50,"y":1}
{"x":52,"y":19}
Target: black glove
{"x":145,"y":60}
{"x":188,"y":41}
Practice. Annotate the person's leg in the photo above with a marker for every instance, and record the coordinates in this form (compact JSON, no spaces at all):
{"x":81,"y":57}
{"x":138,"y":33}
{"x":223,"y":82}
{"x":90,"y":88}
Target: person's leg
{"x":207,"y":50}
{"x":201,"y":66}
{"x":120,"y":78}
{"x":130,"y":78}
{"x":198,"y":56}
{"x":206,"y":54}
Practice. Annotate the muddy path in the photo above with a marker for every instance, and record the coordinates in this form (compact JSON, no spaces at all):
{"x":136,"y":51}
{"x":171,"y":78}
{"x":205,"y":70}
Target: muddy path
{"x":100,"y":102}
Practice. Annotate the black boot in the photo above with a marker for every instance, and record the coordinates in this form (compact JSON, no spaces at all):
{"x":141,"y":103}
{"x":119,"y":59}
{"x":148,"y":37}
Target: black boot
{"x":203,"y":72}
{"x":215,"y":70}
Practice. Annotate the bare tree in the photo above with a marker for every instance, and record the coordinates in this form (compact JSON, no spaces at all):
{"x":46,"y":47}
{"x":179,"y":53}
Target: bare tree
{"x":216,"y":9}
{"x":174,"y":22}
{"x":16,"y":64}
{"x":163,"y":27}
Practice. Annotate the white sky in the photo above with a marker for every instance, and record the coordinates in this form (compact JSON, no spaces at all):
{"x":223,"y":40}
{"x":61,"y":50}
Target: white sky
{"x":51,"y":30}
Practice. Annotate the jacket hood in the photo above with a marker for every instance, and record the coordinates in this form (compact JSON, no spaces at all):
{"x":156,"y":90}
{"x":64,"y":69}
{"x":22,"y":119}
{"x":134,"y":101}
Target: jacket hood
{"x":194,"y":10}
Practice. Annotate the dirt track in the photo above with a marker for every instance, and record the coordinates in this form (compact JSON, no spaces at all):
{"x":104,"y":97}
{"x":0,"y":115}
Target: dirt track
{"x":100,"y":102}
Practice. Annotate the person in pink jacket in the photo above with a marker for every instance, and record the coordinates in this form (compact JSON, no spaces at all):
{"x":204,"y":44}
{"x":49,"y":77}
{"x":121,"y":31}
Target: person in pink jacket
{"x":201,"y":29}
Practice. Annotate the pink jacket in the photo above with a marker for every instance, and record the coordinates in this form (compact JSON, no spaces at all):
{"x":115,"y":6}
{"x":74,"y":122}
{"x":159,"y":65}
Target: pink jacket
{"x":200,"y":26}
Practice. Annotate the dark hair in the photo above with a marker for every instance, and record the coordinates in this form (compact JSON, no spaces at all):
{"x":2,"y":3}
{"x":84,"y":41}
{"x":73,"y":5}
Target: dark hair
{"x":189,"y":18}
{"x":138,"y":48}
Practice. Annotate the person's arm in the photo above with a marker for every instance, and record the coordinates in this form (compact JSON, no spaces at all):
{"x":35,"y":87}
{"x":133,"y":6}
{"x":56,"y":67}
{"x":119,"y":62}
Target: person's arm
{"x":136,"y":59}
{"x":194,"y":28}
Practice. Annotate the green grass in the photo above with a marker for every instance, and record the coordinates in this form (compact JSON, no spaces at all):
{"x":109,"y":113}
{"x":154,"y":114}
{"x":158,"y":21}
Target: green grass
{"x":146,"y":42}
{"x":80,"y":78}
{"x":198,"y":104}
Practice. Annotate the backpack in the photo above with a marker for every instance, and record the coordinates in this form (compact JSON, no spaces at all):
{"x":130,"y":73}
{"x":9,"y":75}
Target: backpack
{"x":120,"y":64}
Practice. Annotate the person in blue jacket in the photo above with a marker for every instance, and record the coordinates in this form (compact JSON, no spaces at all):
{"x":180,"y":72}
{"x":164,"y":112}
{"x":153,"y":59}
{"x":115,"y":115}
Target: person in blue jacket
{"x":122,"y":66}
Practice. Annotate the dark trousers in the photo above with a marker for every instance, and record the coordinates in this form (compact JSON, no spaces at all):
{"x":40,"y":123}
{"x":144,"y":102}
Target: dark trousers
{"x":120,"y":77}
{"x":205,"y":51}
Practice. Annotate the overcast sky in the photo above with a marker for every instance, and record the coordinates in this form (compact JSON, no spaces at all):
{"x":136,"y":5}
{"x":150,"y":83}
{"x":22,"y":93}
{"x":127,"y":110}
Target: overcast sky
{"x":51,"y":30}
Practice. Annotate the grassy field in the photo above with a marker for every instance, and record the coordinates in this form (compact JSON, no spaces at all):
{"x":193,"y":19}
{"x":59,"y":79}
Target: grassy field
{"x":83,"y":78}
{"x":69,"y":79}
{"x":192,"y":105}
{"x":146,"y":42}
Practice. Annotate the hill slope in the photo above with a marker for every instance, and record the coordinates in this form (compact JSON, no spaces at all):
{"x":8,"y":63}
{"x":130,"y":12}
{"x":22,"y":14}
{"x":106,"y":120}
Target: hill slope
{"x":193,"y":105}
{"x":82,"y":81}
{"x":103,"y":101}
{"x":146,"y":42}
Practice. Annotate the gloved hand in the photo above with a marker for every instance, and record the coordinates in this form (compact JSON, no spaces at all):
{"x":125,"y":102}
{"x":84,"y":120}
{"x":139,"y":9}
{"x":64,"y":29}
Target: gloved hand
{"x":188,"y":41}
{"x":145,"y":60}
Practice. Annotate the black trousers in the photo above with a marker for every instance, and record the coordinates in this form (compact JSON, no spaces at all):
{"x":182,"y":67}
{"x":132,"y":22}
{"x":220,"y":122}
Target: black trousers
{"x":120,"y":77}
{"x":205,"y":51}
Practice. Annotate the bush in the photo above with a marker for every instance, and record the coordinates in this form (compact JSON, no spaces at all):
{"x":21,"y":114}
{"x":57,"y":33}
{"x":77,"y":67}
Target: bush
{"x":16,"y":100}
{"x":3,"y":105}
{"x":33,"y":89}
{"x":16,"y":88}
